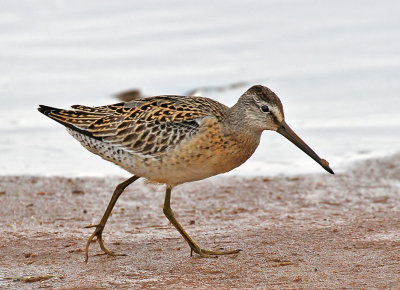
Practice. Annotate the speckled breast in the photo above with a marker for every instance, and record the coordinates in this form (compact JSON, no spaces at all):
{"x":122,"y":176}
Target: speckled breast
{"x":211,"y":152}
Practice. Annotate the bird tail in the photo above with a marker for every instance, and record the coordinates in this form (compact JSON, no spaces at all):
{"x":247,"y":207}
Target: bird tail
{"x":73,"y":119}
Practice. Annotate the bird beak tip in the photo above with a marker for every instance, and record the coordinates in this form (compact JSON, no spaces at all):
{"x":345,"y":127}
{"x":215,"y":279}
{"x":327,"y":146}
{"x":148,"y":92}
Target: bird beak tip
{"x":325,"y":165}
{"x":330,"y":170}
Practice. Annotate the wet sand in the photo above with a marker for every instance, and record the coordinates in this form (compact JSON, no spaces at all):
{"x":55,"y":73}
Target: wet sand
{"x":308,"y":231}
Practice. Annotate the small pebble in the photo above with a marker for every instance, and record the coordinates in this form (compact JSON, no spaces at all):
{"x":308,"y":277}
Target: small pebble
{"x":324,"y":163}
{"x":77,"y":191}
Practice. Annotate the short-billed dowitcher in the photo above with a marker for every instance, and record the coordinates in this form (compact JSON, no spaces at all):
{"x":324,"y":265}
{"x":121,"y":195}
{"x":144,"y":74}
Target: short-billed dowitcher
{"x":176,"y":139}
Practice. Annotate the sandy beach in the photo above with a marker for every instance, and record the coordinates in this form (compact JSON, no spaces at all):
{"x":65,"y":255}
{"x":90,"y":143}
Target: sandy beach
{"x":307,"y":231}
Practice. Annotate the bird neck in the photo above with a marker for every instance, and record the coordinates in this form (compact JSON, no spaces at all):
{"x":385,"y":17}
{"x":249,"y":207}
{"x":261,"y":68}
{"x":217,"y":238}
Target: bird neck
{"x":237,"y":119}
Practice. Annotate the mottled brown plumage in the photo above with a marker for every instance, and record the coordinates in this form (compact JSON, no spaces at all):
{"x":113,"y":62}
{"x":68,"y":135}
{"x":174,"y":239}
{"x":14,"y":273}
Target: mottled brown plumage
{"x":176,"y":139}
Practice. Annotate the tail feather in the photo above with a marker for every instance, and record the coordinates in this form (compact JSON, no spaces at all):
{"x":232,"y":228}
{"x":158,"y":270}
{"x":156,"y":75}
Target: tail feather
{"x":75,"y":120}
{"x":101,"y":110}
{"x":46,"y":109}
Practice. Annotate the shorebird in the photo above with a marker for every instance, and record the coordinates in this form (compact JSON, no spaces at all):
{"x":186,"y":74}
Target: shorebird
{"x":176,"y":139}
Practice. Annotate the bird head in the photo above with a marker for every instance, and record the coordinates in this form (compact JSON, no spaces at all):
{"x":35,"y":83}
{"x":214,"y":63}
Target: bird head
{"x":264,"y":111}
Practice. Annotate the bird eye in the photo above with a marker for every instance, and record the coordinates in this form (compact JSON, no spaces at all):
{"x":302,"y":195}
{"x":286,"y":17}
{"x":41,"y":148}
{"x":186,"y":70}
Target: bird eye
{"x":265,"y":108}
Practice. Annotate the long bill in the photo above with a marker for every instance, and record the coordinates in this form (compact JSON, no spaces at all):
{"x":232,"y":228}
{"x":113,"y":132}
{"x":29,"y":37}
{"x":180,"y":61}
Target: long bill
{"x":285,"y":130}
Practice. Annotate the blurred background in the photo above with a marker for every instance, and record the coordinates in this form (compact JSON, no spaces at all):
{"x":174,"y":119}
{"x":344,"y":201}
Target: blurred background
{"x":334,"y":64}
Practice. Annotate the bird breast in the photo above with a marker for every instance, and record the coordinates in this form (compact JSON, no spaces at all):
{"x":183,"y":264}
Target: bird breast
{"x":213,"y":151}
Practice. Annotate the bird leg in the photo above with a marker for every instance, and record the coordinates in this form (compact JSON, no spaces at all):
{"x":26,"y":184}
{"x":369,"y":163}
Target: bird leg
{"x":194,"y":247}
{"x":100,"y":227}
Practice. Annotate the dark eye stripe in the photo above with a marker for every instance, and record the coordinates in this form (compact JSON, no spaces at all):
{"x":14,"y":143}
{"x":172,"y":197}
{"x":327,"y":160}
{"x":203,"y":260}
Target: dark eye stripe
{"x":265,"y":108}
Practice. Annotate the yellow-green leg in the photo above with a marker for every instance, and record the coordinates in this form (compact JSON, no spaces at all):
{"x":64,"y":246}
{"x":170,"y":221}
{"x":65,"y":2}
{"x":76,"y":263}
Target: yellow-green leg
{"x":100,"y":227}
{"x":193,"y":245}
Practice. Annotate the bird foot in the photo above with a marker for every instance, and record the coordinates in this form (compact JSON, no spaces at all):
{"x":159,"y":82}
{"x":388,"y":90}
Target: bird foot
{"x":98,"y":234}
{"x":211,"y":254}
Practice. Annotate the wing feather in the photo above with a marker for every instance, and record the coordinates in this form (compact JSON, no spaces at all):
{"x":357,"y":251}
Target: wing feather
{"x":148,"y":126}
